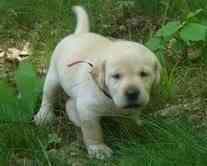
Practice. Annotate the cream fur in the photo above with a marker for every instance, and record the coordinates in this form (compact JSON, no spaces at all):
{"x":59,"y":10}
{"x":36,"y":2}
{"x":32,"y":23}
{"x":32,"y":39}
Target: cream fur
{"x":87,"y":103}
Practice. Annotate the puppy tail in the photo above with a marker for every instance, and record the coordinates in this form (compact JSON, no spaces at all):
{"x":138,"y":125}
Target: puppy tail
{"x":82,"y":20}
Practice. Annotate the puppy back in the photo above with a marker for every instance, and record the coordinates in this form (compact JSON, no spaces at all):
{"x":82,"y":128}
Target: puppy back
{"x":82,"y":20}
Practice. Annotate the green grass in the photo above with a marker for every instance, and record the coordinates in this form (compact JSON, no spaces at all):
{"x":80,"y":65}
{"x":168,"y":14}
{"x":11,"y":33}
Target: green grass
{"x":171,"y":143}
{"x":21,"y":139}
{"x":159,"y":141}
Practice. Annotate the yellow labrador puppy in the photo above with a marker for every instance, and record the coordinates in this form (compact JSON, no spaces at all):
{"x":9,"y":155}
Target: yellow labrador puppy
{"x":101,"y":78}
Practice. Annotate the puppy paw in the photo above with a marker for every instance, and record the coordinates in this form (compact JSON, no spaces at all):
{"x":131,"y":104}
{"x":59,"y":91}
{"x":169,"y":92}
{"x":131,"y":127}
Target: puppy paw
{"x":44,"y":117}
{"x":100,"y":151}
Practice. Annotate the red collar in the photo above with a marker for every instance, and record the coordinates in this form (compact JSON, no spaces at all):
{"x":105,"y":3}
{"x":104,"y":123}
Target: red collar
{"x":80,"y":61}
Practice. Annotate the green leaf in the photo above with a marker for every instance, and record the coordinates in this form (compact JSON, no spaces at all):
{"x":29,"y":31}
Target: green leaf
{"x":8,"y":102}
{"x":155,"y":43}
{"x":28,"y":85}
{"x":169,"y":29}
{"x":7,"y":94}
{"x":20,"y":106}
{"x":194,"y":14}
{"x":193,"y":32}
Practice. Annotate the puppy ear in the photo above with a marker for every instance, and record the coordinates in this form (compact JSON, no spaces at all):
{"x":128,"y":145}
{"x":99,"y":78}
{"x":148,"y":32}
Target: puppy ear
{"x":157,"y":69}
{"x":98,"y":74}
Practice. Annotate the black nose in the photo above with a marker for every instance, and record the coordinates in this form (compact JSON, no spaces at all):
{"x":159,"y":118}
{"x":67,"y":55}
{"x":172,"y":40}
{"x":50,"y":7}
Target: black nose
{"x":132,"y":94}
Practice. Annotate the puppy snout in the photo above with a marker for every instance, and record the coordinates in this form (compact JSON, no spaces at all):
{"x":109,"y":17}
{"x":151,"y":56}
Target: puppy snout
{"x":132,"y":94}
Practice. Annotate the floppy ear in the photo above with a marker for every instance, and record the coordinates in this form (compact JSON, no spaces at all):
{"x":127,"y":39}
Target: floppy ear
{"x":157,"y":69}
{"x":98,"y":74}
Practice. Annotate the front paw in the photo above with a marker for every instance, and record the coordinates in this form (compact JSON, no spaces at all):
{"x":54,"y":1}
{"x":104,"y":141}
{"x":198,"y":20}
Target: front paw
{"x":99,"y":151}
{"x":44,"y":116}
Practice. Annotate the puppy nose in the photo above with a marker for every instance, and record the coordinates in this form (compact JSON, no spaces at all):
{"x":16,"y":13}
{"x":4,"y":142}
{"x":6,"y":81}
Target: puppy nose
{"x":132,"y":94}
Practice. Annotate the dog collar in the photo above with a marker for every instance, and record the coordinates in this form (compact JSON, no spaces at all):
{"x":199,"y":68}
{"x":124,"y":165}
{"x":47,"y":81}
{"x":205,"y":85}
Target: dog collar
{"x":105,"y":93}
{"x":80,"y":61}
{"x":91,"y":65}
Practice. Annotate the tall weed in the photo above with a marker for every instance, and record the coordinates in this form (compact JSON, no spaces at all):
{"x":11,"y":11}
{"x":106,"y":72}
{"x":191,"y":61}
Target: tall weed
{"x":18,"y":105}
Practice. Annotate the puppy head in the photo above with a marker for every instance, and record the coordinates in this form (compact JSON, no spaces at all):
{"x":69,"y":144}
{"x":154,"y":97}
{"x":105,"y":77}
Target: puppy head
{"x":128,"y":73}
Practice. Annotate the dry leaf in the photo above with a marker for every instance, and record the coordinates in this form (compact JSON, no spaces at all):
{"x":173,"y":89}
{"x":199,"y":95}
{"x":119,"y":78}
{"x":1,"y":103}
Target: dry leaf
{"x":2,"y":53}
{"x":26,"y":50}
{"x":14,"y":54}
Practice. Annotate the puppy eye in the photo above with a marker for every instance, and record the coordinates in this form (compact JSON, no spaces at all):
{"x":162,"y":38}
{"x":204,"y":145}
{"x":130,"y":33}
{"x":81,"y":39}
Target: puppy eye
{"x":116,"y":76}
{"x":144,"y":74}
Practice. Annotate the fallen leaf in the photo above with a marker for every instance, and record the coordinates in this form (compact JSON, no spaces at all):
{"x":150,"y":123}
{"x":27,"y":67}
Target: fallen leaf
{"x":26,"y":50}
{"x":13,"y":54}
{"x":2,"y":54}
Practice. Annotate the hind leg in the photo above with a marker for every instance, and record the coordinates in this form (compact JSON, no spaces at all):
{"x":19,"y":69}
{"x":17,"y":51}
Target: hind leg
{"x":50,"y":89}
{"x":71,"y":112}
{"x":74,"y":117}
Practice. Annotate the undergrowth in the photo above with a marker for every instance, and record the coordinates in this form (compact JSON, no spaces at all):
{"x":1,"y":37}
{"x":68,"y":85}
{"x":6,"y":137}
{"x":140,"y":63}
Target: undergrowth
{"x":172,"y":142}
